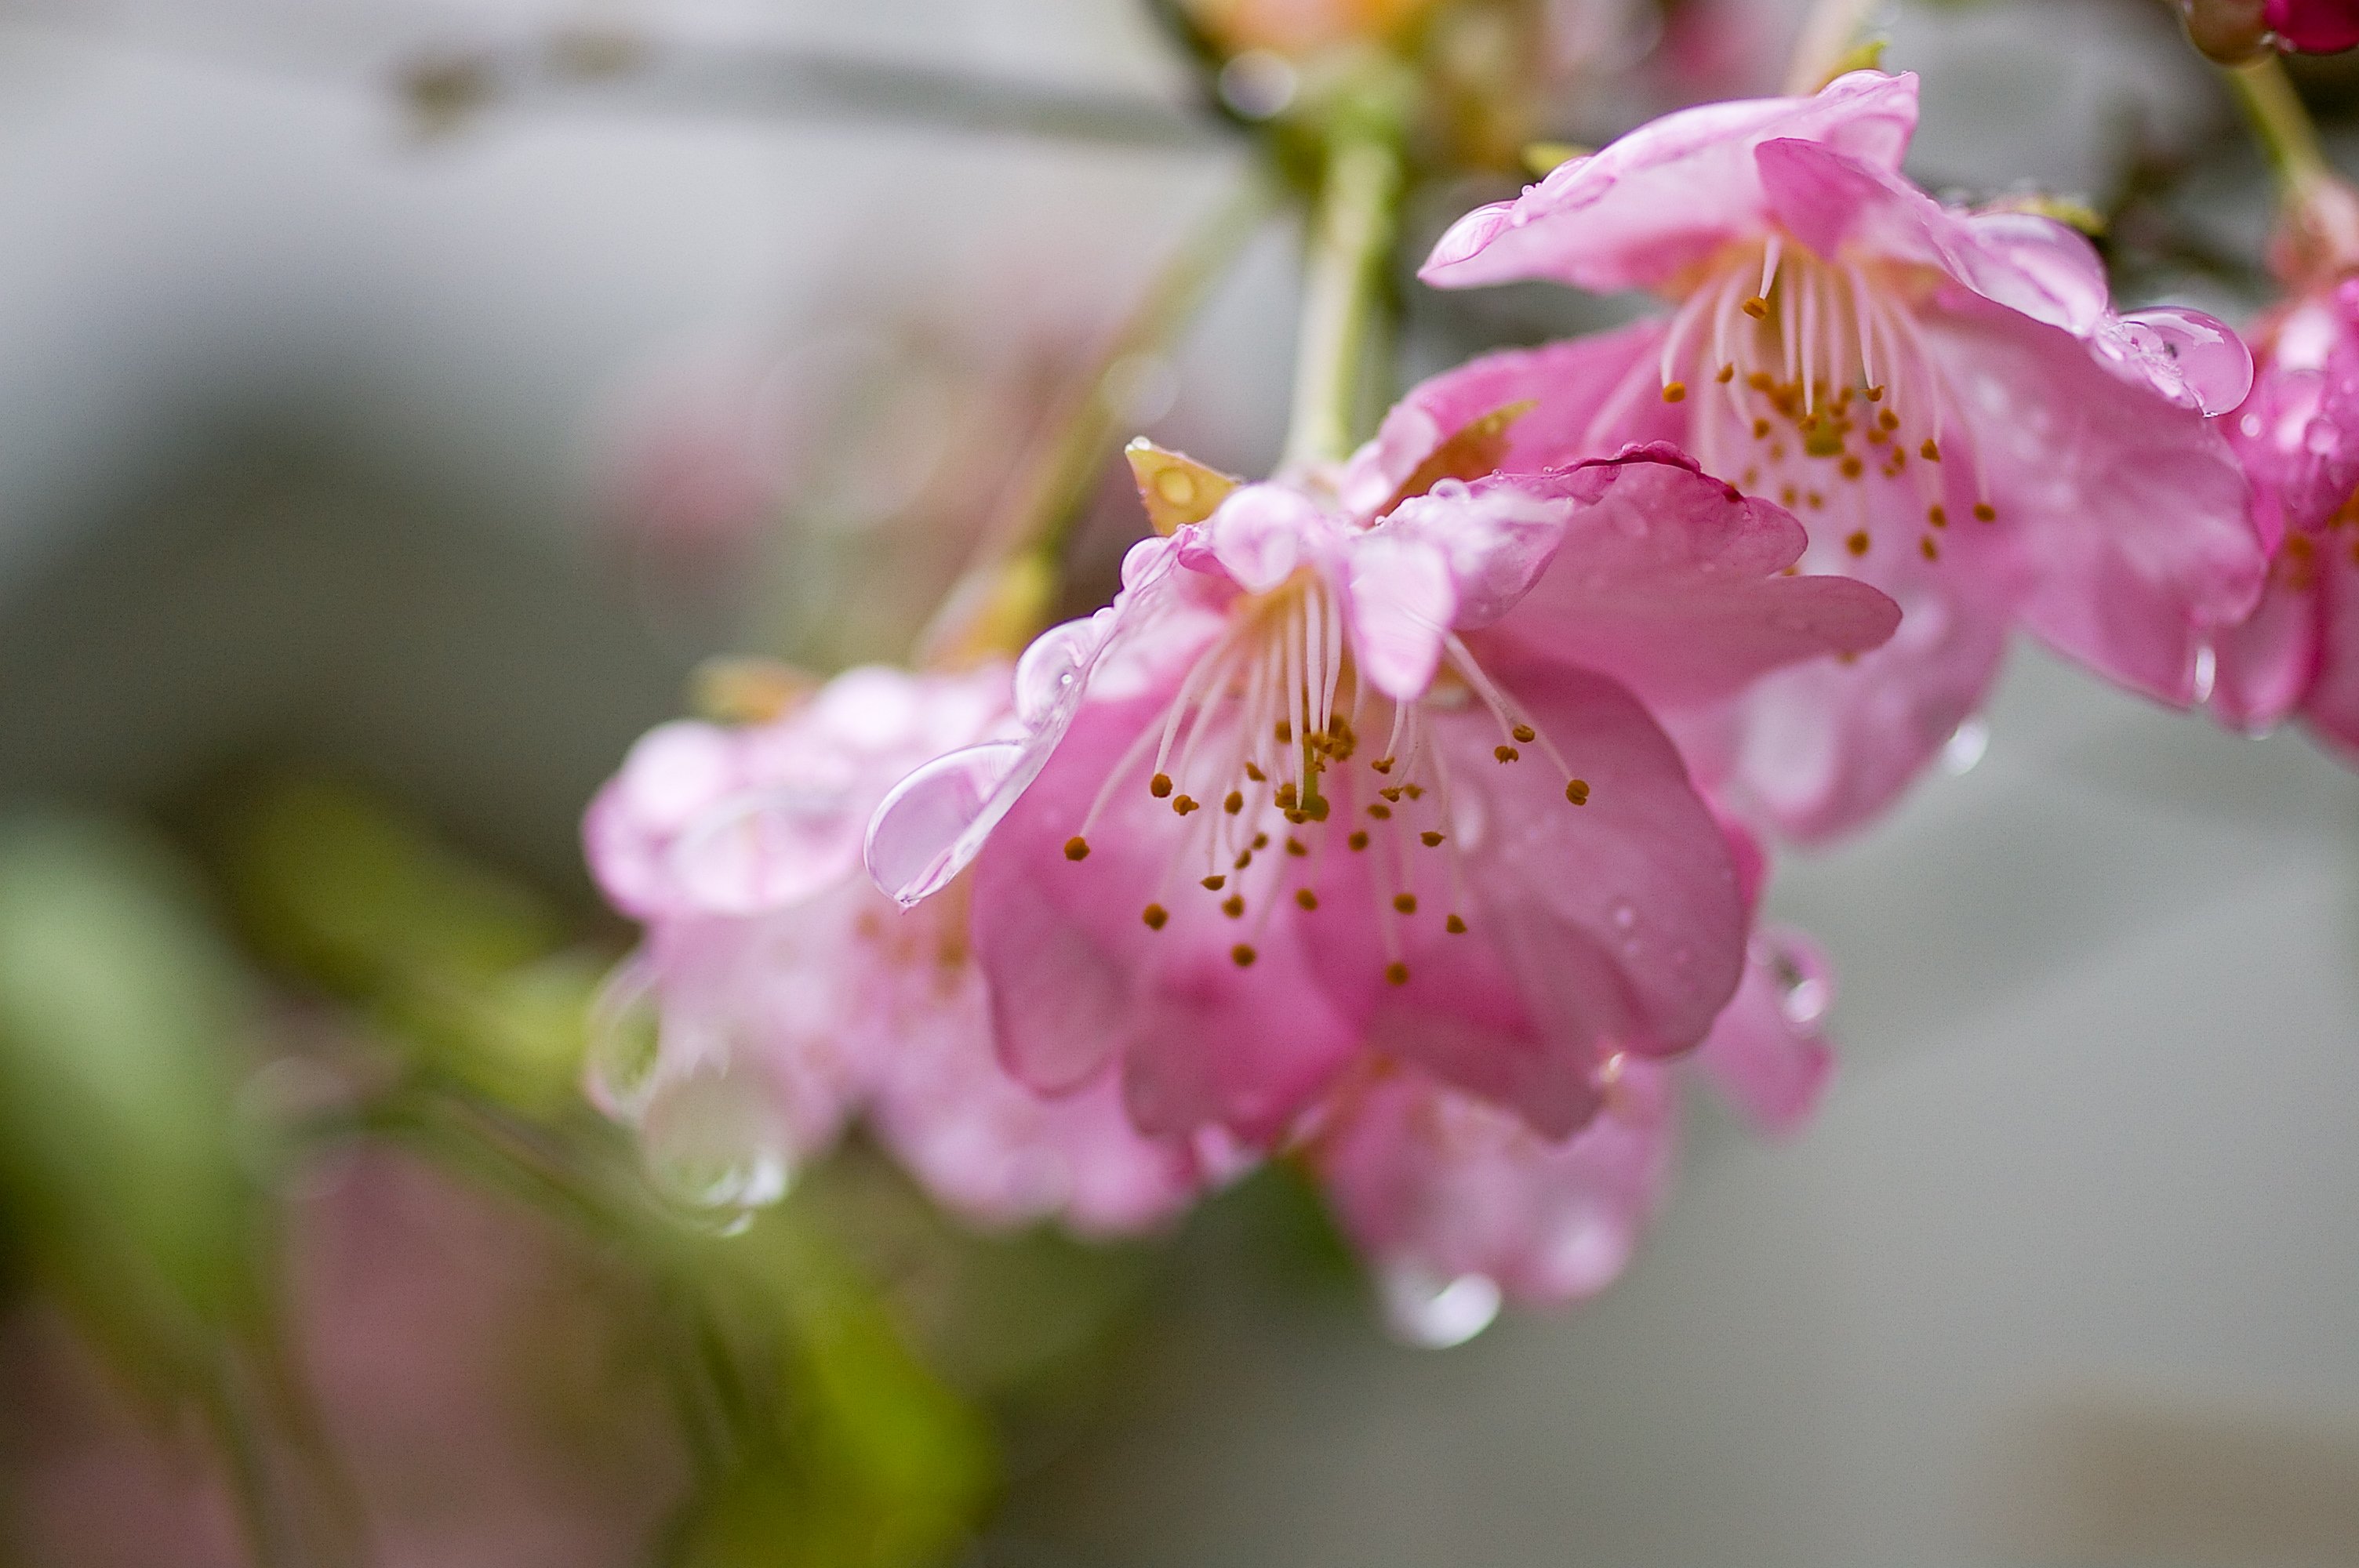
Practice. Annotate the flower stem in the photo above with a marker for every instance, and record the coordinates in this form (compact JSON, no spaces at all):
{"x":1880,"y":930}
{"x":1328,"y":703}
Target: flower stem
{"x":995,"y":606}
{"x":2279,"y":122}
{"x":1351,"y":238}
{"x":2320,"y":229}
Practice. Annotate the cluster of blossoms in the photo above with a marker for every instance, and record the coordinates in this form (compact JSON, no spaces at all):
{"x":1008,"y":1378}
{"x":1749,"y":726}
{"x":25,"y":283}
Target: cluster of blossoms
{"x":1405,"y":817}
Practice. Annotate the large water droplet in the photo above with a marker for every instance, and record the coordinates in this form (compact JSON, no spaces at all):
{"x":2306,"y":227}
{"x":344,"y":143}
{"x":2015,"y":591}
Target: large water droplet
{"x":2187,"y":355}
{"x":1049,"y":668}
{"x":714,"y":1141}
{"x":1965,"y":746}
{"x":625,"y":1052}
{"x":932,"y":822}
{"x":768,"y":850}
{"x":1804,"y":981}
{"x":1424,"y":1309}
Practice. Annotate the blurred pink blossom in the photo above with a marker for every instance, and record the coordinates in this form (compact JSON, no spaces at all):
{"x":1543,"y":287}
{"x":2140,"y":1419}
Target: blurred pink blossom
{"x":2298,"y":437}
{"x":789,"y":996}
{"x":1946,"y":397}
{"x":1459,"y":1204}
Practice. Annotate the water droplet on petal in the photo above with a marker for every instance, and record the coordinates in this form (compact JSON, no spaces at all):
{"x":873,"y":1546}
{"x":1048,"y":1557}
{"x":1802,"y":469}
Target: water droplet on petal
{"x":714,"y":1141}
{"x":2190,"y":357}
{"x":2207,"y":672}
{"x":932,"y":822}
{"x":1625,"y":916}
{"x":767,"y":850}
{"x":620,"y":1065}
{"x":1049,"y":668}
{"x":1965,"y":746}
{"x":1805,"y":984}
{"x":1425,"y":1310}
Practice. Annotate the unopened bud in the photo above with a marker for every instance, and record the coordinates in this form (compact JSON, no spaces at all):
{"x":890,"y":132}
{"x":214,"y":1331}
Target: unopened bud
{"x":2228,"y":30}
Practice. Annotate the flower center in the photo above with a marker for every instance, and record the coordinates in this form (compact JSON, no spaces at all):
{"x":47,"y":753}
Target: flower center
{"x":1810,"y":382}
{"x":1263,"y":756}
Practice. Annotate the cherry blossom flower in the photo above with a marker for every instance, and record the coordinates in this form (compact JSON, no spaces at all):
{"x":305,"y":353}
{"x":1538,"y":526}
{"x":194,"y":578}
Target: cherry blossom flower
{"x":2298,"y":437}
{"x":1945,"y":397}
{"x":1298,"y":797}
{"x":789,"y":996}
{"x":1461,"y":1206}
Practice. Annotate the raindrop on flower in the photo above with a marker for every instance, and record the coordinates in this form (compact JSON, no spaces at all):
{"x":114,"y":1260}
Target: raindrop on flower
{"x":1965,"y":746}
{"x":1434,"y":1314}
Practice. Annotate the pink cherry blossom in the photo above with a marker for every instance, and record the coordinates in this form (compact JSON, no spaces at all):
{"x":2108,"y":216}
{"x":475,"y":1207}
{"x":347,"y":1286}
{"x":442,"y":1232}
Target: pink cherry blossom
{"x":1945,"y":397}
{"x":1459,"y":1205}
{"x":790,"y":996}
{"x":1301,"y":794}
{"x":2298,"y":437}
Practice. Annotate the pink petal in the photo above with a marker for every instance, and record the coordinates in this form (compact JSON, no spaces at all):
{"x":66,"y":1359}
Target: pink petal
{"x":1437,"y":1186}
{"x":2124,"y":516}
{"x":1402,"y":605}
{"x":1591,"y":396}
{"x":991,"y":1149}
{"x":1821,"y":748}
{"x":1765,"y":1054}
{"x":1076,"y":976}
{"x":1837,"y":204}
{"x":1668,"y":194}
{"x":2314,"y":27}
{"x":1617,"y":925}
{"x":1669,"y":581}
{"x":2331,"y":706}
{"x":2298,"y":432}
{"x":2265,"y":667}
{"x":1258,"y":534}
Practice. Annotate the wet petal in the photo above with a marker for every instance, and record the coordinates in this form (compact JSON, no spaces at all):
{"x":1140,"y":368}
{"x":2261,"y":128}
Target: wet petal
{"x":1668,"y":194}
{"x":1767,"y":1053}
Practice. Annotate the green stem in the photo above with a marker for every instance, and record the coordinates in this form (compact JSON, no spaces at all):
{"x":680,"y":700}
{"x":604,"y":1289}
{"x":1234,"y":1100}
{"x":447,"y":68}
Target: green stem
{"x":1050,"y":495}
{"x":2280,"y":124}
{"x":2319,"y":233}
{"x":1351,"y":238}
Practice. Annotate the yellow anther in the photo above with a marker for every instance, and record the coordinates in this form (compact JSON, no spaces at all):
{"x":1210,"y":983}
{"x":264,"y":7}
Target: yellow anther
{"x":1506,"y":753}
{"x":1675,"y":391}
{"x":1234,"y":907}
{"x":1379,"y":810}
{"x":1456,"y":926}
{"x":1577,"y":791}
{"x":1306,"y":898}
{"x":1234,"y":802}
{"x":1077,"y":847}
{"x":1430,"y":838}
{"x":1930,"y":550}
{"x":1985,"y":513}
{"x":1396,"y":972}
{"x":1391,"y":792}
{"x":1382,"y":764}
{"x":1295,"y":847}
{"x":1245,"y":858}
{"x":1937,"y":516}
{"x":1758,"y":309}
{"x":1857,"y":543}
{"x":1727,"y":373}
{"x":1256,"y":775}
{"x":1160,"y":786}
{"x":1852,"y":467}
{"x":1214,"y":882}
{"x":1524,"y":733}
{"x":1930,"y":451}
{"x":1155,"y":915}
{"x":1358,"y":841}
{"x":1242,"y":954}
{"x":1183,"y":804}
{"x":1406,"y":903}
